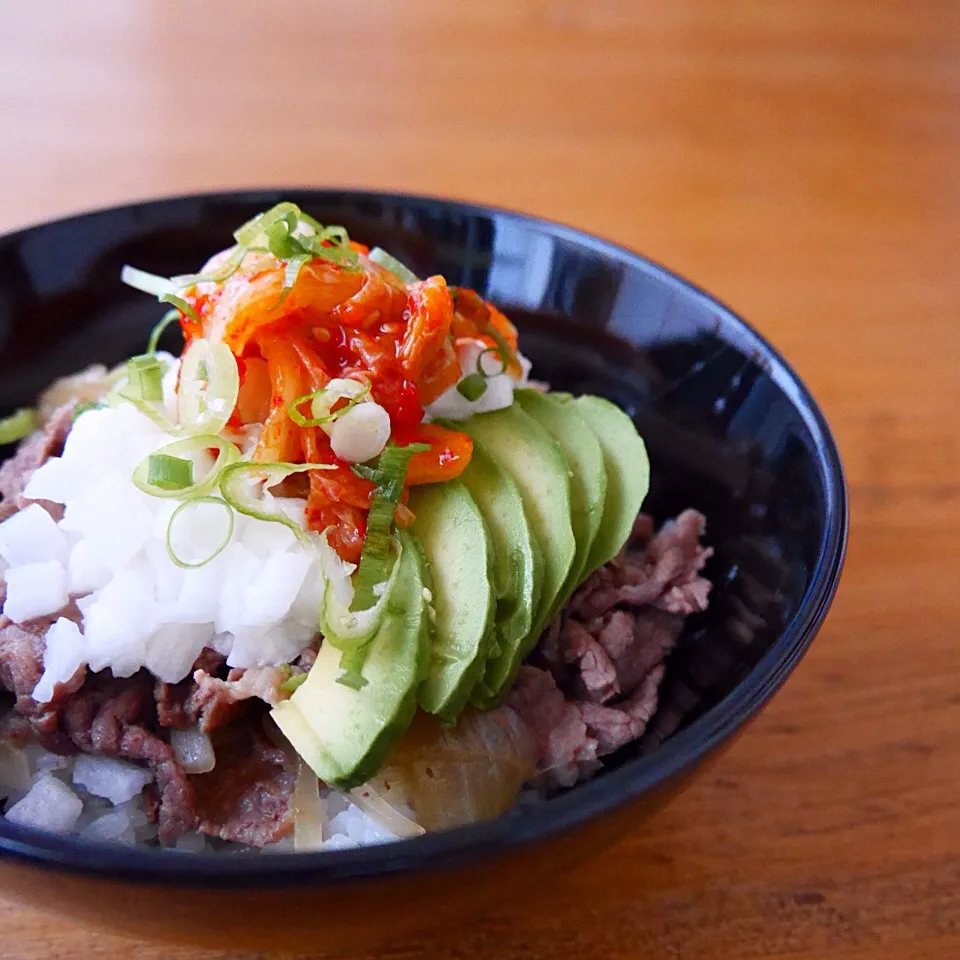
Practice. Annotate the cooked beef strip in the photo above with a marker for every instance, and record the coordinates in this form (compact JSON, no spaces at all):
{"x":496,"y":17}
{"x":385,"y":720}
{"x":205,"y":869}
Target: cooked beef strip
{"x":33,"y":451}
{"x":591,"y":686}
{"x":248,"y":796}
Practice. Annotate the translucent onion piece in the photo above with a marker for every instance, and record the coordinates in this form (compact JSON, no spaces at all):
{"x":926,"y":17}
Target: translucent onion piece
{"x":193,"y":750}
{"x":309,"y":815}
{"x":461,"y":774}
{"x":375,"y":806}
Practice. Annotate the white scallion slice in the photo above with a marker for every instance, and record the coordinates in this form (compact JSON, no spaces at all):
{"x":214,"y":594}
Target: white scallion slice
{"x":321,"y":403}
{"x":246,"y":487}
{"x":180,"y":516}
{"x":205,"y":469}
{"x":208,"y":389}
{"x":400,"y":270}
{"x":150,"y":283}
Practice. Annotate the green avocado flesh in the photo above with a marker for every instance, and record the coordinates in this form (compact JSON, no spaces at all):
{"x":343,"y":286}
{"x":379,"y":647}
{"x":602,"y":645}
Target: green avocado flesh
{"x":588,"y":476}
{"x":459,"y":554}
{"x":550,"y":494}
{"x":534,"y":461}
{"x":345,"y":734}
{"x":628,"y":476}
{"x":517,"y":562}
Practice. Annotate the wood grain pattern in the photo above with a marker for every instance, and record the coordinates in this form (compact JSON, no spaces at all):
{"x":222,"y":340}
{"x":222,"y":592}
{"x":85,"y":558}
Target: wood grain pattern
{"x":797,"y":159}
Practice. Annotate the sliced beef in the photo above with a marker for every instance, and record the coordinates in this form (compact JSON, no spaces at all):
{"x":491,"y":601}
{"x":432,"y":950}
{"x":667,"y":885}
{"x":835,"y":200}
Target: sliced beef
{"x":616,"y":726}
{"x":565,"y":750}
{"x":248,"y":796}
{"x":111,"y":716}
{"x":592,"y":684}
{"x":16,"y":472}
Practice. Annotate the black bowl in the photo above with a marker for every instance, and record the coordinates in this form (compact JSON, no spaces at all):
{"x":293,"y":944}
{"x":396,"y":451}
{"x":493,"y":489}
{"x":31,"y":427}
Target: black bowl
{"x":731,"y":431}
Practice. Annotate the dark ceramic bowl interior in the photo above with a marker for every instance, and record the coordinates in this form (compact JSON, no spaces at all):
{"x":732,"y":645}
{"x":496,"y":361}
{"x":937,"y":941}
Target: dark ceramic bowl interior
{"x":730,"y":429}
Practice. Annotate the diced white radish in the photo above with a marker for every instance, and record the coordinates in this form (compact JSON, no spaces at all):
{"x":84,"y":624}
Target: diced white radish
{"x":174,"y":647}
{"x":361,"y":433}
{"x":193,"y":750}
{"x":50,"y":481}
{"x":114,"y":825}
{"x":117,"y":624}
{"x":34,"y":590}
{"x":64,"y":653}
{"x":115,"y":780}
{"x":49,"y":805}
{"x":257,"y":647}
{"x":31,"y":535}
{"x":271,"y":596}
{"x":86,"y":572}
{"x":243,"y":569}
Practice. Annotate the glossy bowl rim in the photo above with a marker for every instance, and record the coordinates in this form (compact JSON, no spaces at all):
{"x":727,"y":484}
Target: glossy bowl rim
{"x":516,"y":829}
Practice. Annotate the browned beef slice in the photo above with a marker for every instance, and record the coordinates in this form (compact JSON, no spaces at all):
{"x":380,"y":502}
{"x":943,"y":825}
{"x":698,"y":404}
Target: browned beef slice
{"x":112,"y":716}
{"x":605,"y":652}
{"x":628,"y":615}
{"x":613,"y":727}
{"x":176,"y":706}
{"x":248,"y":796}
{"x":665,"y":572}
{"x":563,"y":746}
{"x":32,"y":452}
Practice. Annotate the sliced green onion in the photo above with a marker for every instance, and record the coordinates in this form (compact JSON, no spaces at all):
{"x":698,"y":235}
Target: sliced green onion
{"x":374,"y":555}
{"x":162,"y":288}
{"x":226,"y":270}
{"x":146,"y":282}
{"x":291,"y":683}
{"x":323,"y":399}
{"x":17,"y":425}
{"x":188,"y":564}
{"x":209,"y":386}
{"x":171,"y":316}
{"x":144,"y":378}
{"x":195,"y":452}
{"x":291,"y":271}
{"x":472,"y":387}
{"x":365,"y":471}
{"x":244,"y":486}
{"x":181,"y":305}
{"x":497,"y":353}
{"x":400,"y":270}
{"x":253,"y":233}
{"x":348,"y":629}
{"x":506,"y":351}
{"x":169,"y":473}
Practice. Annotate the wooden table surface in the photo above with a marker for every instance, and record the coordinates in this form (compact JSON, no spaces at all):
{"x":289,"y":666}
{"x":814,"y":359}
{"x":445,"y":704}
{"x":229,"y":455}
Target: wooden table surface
{"x":799,"y":159}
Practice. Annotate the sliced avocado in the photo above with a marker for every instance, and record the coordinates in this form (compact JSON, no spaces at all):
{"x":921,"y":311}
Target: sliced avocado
{"x":588,"y":477}
{"x":459,"y":555}
{"x":537,"y":466}
{"x":517,"y":563}
{"x":628,"y":476}
{"x":345,"y":734}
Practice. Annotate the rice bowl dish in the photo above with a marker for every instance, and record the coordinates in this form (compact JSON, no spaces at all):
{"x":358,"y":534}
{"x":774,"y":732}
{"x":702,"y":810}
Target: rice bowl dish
{"x":337,"y":574}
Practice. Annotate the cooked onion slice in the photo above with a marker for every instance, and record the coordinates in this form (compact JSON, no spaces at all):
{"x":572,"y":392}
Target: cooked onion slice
{"x":309,"y":815}
{"x":375,"y":806}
